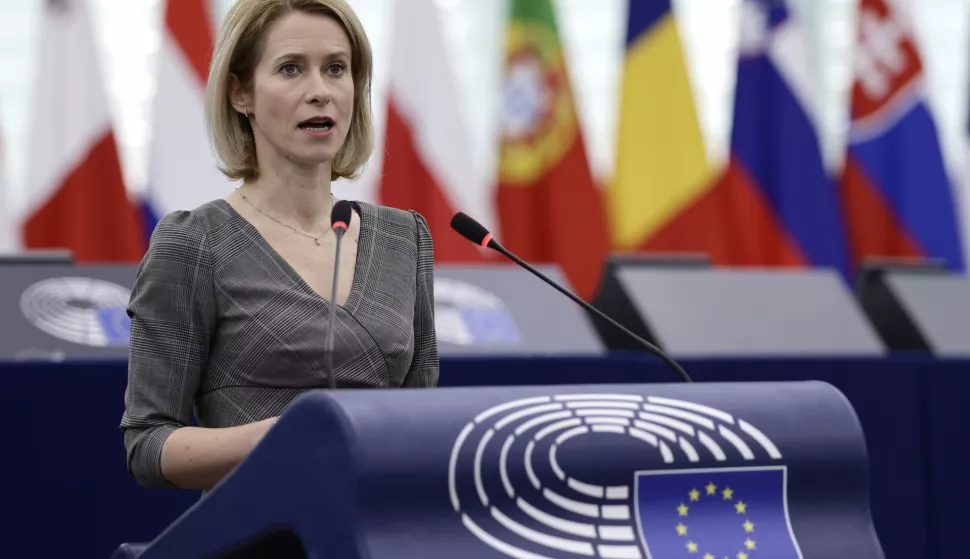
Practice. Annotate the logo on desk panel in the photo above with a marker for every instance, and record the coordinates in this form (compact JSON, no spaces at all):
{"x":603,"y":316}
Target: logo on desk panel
{"x":513,"y":480}
{"x":466,"y":314}
{"x":740,"y":513}
{"x":85,"y":311}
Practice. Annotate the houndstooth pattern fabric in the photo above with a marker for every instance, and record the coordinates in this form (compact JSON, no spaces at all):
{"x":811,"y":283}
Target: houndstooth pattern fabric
{"x":223,"y":326}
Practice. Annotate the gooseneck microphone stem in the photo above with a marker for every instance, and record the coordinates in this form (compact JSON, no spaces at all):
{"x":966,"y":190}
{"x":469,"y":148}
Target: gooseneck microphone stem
{"x":340,"y":216}
{"x":653,"y":349}
{"x":333,"y":310}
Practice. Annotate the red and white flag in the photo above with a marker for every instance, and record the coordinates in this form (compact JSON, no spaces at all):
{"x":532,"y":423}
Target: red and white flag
{"x":428,"y":164}
{"x":183,"y":172}
{"x":75,"y":192}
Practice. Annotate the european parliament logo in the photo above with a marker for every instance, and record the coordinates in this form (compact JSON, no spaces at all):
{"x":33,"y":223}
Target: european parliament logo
{"x":729,"y":513}
{"x":620,"y":476}
{"x":83,"y":310}
{"x":466,"y":314}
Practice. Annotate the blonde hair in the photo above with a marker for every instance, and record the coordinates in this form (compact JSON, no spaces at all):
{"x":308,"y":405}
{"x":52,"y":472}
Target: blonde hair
{"x":237,"y":52}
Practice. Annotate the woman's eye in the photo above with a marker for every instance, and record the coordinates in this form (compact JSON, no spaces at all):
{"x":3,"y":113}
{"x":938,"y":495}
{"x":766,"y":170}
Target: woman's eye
{"x":336,"y":69}
{"x":289,"y":69}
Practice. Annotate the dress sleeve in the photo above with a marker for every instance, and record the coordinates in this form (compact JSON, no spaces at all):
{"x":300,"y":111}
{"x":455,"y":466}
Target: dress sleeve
{"x":424,"y":364}
{"x":173,"y":316}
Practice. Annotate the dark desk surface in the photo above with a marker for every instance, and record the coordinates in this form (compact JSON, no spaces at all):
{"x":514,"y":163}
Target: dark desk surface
{"x":67,"y":484}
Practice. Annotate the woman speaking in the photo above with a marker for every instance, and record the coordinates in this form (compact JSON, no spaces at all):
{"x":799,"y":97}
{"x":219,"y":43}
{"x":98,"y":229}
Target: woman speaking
{"x":230,"y":304}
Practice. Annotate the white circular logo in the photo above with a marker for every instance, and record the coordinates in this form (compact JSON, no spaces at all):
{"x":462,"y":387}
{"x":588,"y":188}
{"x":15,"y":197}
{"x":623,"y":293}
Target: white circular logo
{"x":466,"y":314}
{"x":549,"y":509}
{"x":85,"y":311}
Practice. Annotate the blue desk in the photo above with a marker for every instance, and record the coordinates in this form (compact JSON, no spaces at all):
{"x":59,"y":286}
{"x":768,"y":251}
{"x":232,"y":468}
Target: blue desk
{"x":65,"y":464}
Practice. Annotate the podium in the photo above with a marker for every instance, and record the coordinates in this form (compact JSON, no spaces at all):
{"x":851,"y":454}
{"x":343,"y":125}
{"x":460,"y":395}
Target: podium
{"x":618,"y":471}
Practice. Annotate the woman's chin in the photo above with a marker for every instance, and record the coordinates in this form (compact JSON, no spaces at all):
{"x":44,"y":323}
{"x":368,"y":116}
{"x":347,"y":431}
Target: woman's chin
{"x":310,"y":160}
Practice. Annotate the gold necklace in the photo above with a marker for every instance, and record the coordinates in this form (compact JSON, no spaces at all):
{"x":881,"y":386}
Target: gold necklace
{"x":294,"y":229}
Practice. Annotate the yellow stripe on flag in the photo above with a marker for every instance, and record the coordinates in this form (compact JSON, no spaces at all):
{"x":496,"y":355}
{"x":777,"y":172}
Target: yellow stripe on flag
{"x":661,"y":165}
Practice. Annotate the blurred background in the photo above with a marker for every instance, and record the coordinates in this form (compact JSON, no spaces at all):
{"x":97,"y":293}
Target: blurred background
{"x":790,"y":143}
{"x":129,"y":37}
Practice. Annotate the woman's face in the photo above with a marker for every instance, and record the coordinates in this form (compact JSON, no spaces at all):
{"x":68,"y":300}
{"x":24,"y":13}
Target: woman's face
{"x":302,"y":97}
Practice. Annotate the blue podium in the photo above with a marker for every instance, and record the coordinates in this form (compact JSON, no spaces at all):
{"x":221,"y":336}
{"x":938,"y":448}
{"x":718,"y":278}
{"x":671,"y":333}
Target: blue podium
{"x":635,"y":471}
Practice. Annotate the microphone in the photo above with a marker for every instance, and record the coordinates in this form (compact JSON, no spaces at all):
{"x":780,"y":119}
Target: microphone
{"x":339,"y":222}
{"x":478,"y":234}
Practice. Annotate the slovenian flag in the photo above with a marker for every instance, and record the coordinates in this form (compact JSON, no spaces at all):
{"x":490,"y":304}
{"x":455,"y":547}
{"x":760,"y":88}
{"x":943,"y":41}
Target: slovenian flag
{"x":777,"y":203}
{"x":898,"y":198}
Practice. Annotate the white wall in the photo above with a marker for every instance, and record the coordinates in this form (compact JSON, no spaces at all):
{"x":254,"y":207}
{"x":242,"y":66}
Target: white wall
{"x":593,"y":33}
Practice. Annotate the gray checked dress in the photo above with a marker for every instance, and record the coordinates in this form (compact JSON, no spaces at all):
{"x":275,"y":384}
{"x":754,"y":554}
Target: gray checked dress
{"x":223,"y":327}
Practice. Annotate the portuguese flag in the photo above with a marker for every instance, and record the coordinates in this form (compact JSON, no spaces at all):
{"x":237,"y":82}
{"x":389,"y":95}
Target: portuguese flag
{"x":550,"y":209}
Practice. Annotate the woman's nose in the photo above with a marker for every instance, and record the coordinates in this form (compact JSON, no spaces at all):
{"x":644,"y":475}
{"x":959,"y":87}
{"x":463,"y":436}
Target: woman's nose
{"x":319,"y":90}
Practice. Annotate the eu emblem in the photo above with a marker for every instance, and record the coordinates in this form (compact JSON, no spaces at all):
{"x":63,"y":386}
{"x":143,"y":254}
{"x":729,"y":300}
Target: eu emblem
{"x":730,"y":513}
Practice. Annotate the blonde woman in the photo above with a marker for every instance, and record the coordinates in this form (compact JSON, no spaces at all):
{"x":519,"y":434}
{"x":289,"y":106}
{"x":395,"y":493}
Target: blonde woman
{"x":229,"y":308}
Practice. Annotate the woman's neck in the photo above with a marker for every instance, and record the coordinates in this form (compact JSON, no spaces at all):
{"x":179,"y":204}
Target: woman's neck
{"x":303,"y":200}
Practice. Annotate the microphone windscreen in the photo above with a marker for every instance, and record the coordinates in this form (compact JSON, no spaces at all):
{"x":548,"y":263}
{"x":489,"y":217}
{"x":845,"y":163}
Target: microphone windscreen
{"x":469,"y":228}
{"x":340,"y":215}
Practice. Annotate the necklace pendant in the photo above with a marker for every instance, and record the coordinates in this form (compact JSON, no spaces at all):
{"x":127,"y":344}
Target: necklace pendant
{"x":317,"y":239}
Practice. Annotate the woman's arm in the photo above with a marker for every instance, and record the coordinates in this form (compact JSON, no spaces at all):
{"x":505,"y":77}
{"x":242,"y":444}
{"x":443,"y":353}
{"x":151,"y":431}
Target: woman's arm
{"x":198,"y":458}
{"x":424,"y":363}
{"x":173,"y":318}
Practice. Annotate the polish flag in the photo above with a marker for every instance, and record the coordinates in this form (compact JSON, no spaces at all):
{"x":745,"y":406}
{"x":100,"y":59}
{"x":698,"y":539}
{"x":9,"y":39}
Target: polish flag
{"x":75,"y":195}
{"x":427,"y":164}
{"x":183,"y":171}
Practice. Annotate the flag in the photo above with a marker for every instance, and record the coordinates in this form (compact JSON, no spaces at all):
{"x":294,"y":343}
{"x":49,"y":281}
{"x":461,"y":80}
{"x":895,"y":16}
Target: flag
{"x":778,"y":204}
{"x":550,"y":209}
{"x":427,"y":163}
{"x":898,"y":199}
{"x":657,"y":196}
{"x":964,"y":193}
{"x":741,"y":513}
{"x":183,"y":171}
{"x":8,"y":230}
{"x":75,"y":193}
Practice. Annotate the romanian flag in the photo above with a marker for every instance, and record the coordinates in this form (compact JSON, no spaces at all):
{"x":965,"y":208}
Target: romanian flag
{"x":899,"y":200}
{"x":657,"y":199}
{"x":550,"y":209}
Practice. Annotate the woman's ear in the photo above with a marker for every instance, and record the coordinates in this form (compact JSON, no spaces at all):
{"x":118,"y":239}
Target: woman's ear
{"x":239,"y":96}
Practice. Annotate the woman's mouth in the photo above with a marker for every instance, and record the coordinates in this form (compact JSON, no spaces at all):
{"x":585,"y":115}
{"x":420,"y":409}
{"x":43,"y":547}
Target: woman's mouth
{"x":317,"y":126}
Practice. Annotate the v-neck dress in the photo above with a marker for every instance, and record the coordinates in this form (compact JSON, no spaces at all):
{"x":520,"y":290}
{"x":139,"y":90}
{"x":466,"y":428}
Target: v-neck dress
{"x":223,"y":327}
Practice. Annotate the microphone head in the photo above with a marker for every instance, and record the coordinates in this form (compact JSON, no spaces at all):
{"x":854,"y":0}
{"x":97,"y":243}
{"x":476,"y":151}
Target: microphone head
{"x":340,"y":215}
{"x":470,"y":229}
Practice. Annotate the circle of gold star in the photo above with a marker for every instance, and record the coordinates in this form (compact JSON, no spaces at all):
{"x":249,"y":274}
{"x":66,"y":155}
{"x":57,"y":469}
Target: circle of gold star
{"x":740,"y":507}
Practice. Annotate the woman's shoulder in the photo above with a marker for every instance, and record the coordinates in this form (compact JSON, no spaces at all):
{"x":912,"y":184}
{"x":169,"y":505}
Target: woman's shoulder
{"x":201,"y":219}
{"x":194,"y":223}
{"x":394,"y":220}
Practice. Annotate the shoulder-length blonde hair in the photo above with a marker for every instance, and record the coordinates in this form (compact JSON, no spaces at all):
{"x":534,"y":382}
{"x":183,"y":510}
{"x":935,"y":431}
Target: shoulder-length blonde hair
{"x":237,"y":52}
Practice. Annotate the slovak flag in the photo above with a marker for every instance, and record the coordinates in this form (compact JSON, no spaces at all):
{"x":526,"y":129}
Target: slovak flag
{"x":183,"y":172}
{"x":777,"y":201}
{"x":899,"y":201}
{"x":75,"y":196}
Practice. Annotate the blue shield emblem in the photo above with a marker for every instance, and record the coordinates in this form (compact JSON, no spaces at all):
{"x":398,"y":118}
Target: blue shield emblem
{"x":733,"y":513}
